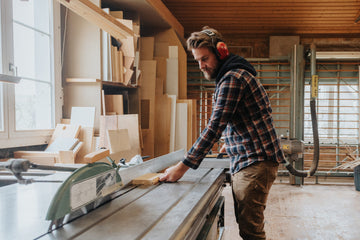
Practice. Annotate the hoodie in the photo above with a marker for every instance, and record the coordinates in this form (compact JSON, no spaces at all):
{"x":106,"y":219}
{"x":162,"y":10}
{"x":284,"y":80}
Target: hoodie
{"x":234,"y":62}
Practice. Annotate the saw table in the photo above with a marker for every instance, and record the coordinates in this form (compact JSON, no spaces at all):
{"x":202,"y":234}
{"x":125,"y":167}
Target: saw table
{"x":191,"y":208}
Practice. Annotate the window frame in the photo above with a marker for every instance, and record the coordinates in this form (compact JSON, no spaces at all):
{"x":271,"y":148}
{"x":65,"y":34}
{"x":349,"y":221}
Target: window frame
{"x":11,"y":137}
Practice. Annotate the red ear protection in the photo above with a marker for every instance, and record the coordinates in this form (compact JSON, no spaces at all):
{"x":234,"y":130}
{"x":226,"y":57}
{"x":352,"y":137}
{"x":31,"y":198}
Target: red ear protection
{"x":222,"y":50}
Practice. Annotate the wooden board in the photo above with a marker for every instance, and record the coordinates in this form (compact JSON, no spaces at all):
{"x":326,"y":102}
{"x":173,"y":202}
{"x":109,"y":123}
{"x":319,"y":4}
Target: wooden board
{"x":172,"y":122}
{"x":118,"y":140}
{"x":147,"y":179}
{"x":147,"y":48}
{"x":106,"y":122}
{"x":181,"y":127}
{"x":65,"y":130}
{"x":114,"y":103}
{"x":62,"y":144}
{"x":87,"y":137}
{"x":96,"y":156}
{"x":172,"y":76}
{"x":148,"y":86}
{"x":131,"y":123}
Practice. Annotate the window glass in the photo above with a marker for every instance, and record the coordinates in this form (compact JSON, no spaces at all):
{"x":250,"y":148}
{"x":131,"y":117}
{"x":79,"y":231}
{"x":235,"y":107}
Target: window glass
{"x":32,"y":105}
{"x":31,"y":53}
{"x":32,"y":58}
{"x":33,"y":14}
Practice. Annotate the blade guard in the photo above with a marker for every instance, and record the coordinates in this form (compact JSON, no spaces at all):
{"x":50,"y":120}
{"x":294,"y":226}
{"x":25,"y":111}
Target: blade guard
{"x":84,"y":186}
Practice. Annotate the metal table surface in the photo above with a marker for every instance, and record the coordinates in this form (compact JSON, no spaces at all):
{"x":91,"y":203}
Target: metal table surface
{"x":164,"y":211}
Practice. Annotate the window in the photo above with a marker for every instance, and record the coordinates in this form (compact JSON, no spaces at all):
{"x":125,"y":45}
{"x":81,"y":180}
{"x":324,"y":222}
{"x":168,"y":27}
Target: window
{"x":337,"y":113}
{"x":29,"y":49}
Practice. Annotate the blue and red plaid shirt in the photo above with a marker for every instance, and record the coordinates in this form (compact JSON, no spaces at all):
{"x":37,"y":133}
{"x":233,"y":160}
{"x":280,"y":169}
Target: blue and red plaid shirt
{"x":241,"y":111}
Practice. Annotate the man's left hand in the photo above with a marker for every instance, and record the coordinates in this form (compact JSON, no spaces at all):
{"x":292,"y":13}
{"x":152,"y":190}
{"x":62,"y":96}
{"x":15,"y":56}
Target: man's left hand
{"x":174,"y":173}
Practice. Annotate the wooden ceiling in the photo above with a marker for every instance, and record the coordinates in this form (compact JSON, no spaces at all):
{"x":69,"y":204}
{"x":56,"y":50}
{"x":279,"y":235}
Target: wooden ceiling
{"x":252,"y":18}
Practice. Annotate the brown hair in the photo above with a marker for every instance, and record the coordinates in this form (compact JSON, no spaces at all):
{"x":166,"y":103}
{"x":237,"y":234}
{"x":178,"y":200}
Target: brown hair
{"x":208,"y":37}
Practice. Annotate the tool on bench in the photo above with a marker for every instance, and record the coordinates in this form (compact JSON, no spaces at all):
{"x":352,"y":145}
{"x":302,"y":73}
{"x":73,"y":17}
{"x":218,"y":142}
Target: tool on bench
{"x":85,"y":189}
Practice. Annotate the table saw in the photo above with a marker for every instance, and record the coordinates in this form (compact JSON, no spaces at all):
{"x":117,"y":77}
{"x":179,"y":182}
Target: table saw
{"x":191,"y":208}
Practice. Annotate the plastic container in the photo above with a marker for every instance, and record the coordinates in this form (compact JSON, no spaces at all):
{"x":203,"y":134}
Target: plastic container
{"x":357,"y":177}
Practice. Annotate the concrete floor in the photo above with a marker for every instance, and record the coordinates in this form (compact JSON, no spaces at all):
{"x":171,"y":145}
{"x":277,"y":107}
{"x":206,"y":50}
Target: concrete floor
{"x":308,"y":212}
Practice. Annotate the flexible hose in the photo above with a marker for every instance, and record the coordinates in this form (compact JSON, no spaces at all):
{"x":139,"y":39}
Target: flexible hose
{"x":314,"y":165}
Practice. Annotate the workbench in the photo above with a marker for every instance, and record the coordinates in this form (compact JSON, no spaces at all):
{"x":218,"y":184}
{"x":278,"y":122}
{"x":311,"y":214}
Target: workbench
{"x":191,"y":208}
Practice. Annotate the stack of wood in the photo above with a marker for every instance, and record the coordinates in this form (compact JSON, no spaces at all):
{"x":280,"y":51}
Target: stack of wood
{"x":168,"y":119}
{"x":120,"y":55}
{"x":352,"y":163}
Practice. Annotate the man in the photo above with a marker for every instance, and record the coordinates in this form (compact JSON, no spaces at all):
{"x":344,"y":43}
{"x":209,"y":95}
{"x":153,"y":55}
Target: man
{"x":241,"y":109}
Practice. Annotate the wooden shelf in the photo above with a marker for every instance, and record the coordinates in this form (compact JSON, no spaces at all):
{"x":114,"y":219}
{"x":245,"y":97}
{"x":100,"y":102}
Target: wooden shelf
{"x":94,"y":80}
{"x":153,"y":14}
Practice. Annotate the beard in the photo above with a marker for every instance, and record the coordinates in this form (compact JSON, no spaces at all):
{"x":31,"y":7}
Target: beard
{"x":210,"y":73}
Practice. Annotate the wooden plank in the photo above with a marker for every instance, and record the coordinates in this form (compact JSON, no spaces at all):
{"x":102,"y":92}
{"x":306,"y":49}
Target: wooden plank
{"x":65,"y":130}
{"x":147,"y":179}
{"x":114,"y":103}
{"x":97,"y":16}
{"x":82,"y":80}
{"x":172,"y":77}
{"x":62,"y":144}
{"x":181,"y":125}
{"x":87,"y":137}
{"x":131,"y":123}
{"x":119,"y":140}
{"x":106,"y":122}
{"x":147,"y":48}
{"x":162,"y":124}
{"x":172,"y":122}
{"x":148,"y":86}
{"x":96,"y":156}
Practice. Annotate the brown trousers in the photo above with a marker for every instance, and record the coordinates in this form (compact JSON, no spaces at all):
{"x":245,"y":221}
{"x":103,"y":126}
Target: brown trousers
{"x":250,"y":189}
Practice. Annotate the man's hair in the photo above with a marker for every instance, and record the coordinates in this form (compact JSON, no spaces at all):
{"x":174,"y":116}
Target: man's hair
{"x":208,"y":37}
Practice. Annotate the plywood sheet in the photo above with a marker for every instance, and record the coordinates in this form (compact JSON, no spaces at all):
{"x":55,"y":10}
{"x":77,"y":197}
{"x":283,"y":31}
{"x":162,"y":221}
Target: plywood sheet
{"x":181,"y":125}
{"x":62,"y":144}
{"x":172,"y":76}
{"x":65,"y":130}
{"x":106,"y":122}
{"x":118,"y":140}
{"x":131,"y":123}
{"x":162,"y":125}
{"x":114,"y":103}
{"x":147,"y":48}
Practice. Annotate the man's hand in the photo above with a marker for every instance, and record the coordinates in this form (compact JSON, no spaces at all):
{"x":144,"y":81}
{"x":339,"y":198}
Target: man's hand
{"x":174,"y":173}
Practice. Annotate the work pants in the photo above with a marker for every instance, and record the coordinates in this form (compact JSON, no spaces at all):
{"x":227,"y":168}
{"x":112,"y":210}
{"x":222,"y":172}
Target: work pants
{"x":250,"y":189}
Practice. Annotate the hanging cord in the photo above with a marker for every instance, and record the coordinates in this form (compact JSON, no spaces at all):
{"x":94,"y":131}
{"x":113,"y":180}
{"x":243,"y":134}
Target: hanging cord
{"x":315,"y":162}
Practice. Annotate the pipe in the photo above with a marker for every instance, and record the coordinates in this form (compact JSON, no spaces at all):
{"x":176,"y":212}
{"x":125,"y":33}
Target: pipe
{"x":315,"y":163}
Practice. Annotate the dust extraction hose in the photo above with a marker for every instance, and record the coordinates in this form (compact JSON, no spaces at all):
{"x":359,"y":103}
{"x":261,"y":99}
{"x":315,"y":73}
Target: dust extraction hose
{"x":314,"y":165}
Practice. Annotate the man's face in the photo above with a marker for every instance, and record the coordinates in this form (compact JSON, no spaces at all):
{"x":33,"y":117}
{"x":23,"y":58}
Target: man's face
{"x":207,"y":60}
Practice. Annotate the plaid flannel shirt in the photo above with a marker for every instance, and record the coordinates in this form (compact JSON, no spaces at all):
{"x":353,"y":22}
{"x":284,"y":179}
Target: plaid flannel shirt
{"x":241,"y":107}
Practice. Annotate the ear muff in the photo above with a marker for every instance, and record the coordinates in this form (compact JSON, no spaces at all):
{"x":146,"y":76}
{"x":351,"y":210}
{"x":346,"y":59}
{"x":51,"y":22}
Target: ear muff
{"x":222,"y":50}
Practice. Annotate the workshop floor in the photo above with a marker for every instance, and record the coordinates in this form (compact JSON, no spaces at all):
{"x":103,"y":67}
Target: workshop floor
{"x":308,"y":212}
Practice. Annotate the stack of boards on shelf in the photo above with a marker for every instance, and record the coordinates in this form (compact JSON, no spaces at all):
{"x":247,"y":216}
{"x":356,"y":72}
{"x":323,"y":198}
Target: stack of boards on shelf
{"x":120,"y":56}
